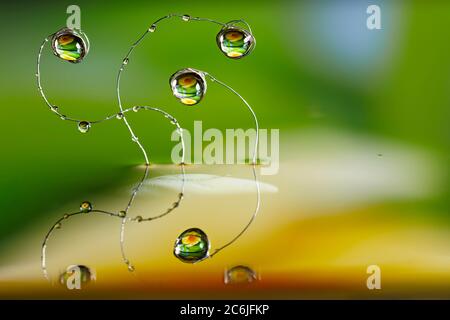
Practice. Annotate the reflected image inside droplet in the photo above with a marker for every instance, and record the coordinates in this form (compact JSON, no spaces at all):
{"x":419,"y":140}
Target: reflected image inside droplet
{"x":234,"y":42}
{"x":188,"y":85}
{"x":69,"y":277}
{"x":192,"y":246}
{"x":84,"y":126}
{"x":240,"y":275}
{"x":85,"y":206}
{"x":68,"y":45}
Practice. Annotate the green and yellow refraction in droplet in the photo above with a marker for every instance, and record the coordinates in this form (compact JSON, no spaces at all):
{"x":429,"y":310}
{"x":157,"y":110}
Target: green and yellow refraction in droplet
{"x":69,"y":45}
{"x":235,"y":43}
{"x":192,"y":246}
{"x":188,"y":85}
{"x":85,"y":206}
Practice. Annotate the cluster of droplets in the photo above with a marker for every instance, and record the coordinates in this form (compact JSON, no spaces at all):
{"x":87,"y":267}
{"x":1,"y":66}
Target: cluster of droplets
{"x":189,"y":86}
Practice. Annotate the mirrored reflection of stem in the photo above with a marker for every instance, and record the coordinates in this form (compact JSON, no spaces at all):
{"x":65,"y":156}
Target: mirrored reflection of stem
{"x":58,"y":225}
{"x":175,"y":205}
{"x":255,"y":213}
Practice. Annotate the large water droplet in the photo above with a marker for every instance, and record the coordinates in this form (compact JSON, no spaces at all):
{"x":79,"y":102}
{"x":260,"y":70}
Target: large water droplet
{"x":234,"y":42}
{"x":188,"y":85}
{"x":70,"y":46}
{"x":192,"y":246}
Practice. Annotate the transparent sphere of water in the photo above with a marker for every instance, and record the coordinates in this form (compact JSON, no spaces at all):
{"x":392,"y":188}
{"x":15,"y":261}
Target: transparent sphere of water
{"x":234,"y":42}
{"x":188,"y":85}
{"x":192,"y":246}
{"x":69,"y":45}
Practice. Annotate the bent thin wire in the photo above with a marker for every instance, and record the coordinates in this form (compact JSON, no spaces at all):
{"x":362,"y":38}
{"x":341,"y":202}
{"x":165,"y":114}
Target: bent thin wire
{"x":133,"y":195}
{"x":125,"y":62}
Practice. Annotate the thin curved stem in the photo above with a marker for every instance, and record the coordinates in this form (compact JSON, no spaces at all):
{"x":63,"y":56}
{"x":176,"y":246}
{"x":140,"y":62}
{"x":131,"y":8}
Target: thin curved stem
{"x":255,"y":213}
{"x":255,"y":119}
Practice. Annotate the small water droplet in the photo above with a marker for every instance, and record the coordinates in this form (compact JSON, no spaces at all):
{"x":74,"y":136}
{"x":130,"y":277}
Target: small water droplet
{"x":119,"y":116}
{"x":186,"y":17}
{"x":84,"y":126}
{"x":58,"y":226}
{"x":139,"y":218}
{"x":136,"y":108}
{"x":54,"y":108}
{"x":152,"y":28}
{"x":240,"y":275}
{"x":125,"y":61}
{"x":122,"y":213}
{"x":85,"y":206}
{"x":130,"y":268}
{"x":65,"y":216}
{"x":86,"y":275}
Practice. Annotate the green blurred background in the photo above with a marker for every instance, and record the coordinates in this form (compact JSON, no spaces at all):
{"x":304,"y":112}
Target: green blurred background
{"x":316,"y":65}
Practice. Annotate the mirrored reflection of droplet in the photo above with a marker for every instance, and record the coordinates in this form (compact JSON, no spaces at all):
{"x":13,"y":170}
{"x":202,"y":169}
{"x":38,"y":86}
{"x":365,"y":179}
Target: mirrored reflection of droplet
{"x":234,"y":42}
{"x":84,"y":126}
{"x":192,"y":246}
{"x":152,"y":28}
{"x":69,"y":45}
{"x":76,"y":277}
{"x":186,"y":17}
{"x":239,"y":275}
{"x":188,"y":85}
{"x":85,"y":206}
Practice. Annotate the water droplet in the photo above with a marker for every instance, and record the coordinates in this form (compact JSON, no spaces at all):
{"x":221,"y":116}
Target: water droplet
{"x":186,"y":17}
{"x":130,"y":268}
{"x":119,"y":116}
{"x":36,"y":74}
{"x":234,"y":42}
{"x":136,"y":108}
{"x":134,"y":139}
{"x":240,"y":275}
{"x":85,"y":206}
{"x":138,"y":218}
{"x":85,"y":274}
{"x":191,"y":246}
{"x":122,"y":213}
{"x":54,"y":108}
{"x":152,"y":28}
{"x":58,"y":226}
{"x":84,"y":126}
{"x":68,"y":45}
{"x":65,"y":216}
{"x":125,"y":61}
{"x":188,"y":85}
